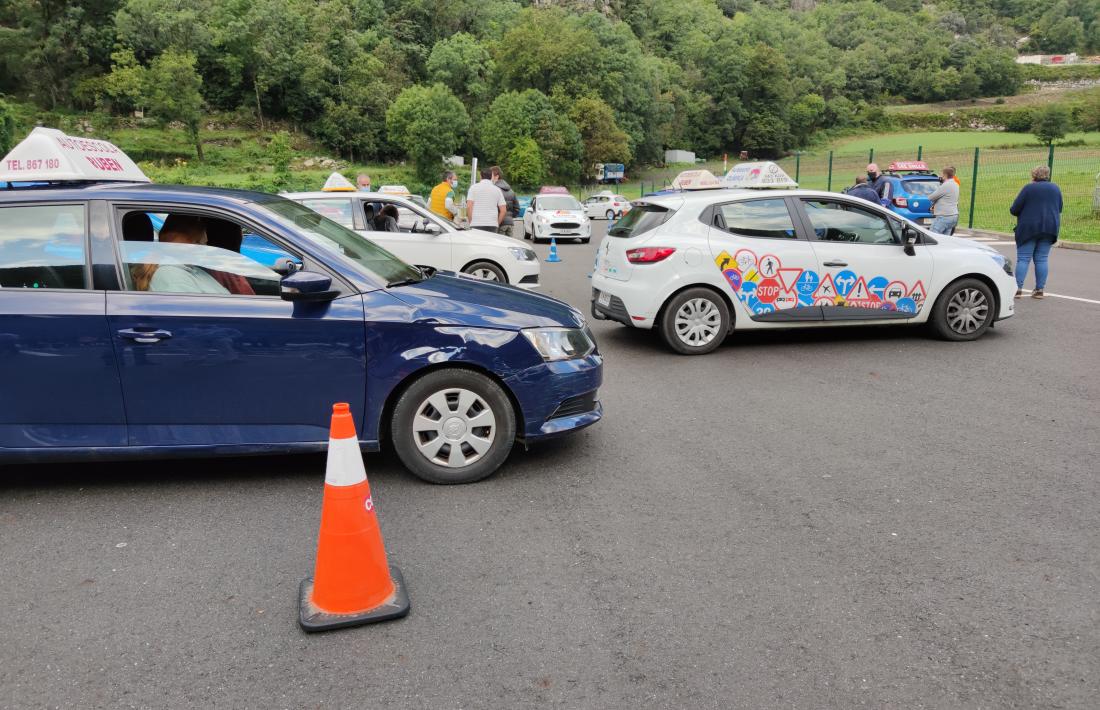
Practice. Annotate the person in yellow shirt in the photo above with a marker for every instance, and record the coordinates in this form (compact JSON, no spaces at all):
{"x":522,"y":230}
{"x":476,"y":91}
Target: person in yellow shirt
{"x":442,"y":200}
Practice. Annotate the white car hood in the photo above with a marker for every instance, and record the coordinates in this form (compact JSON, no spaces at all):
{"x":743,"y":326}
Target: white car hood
{"x":962,"y":243}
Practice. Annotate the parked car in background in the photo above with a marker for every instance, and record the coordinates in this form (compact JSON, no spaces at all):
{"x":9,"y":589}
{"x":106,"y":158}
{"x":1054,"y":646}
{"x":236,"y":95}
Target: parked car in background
{"x":426,"y":239}
{"x":556,"y":216}
{"x":908,"y":185}
{"x":606,"y":205}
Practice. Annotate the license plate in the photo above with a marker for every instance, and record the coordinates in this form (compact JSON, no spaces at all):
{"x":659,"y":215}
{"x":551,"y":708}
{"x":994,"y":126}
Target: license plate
{"x":924,"y":221}
{"x":604,"y":299}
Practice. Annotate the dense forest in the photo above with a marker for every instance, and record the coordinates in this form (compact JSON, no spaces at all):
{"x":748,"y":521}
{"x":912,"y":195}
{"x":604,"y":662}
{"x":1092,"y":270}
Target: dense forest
{"x":545,"y":87}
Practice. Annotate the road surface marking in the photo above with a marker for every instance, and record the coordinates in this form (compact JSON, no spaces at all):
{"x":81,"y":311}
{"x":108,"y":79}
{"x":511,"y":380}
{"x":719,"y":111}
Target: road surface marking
{"x":1071,"y":298}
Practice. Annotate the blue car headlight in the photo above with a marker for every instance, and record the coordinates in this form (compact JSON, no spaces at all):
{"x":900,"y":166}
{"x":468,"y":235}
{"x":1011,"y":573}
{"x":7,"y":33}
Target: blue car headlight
{"x":522,"y":254}
{"x":559,"y":343}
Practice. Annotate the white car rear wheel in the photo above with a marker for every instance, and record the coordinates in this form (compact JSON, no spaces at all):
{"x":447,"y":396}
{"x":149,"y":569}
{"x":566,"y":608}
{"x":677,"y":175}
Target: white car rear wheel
{"x":695,"y":321}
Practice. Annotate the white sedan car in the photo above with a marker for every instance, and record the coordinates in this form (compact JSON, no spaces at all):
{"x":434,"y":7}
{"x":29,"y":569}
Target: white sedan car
{"x":697,"y":265}
{"x":555,"y":216}
{"x":424,"y":238}
{"x":606,"y":205}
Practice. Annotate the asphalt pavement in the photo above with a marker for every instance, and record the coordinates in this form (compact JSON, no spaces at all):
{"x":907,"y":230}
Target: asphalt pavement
{"x":834,"y":519}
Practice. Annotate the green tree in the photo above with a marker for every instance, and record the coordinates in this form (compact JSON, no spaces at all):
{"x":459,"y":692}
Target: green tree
{"x":429,"y":123}
{"x":524,"y":165}
{"x":516,"y":115}
{"x":125,"y":85}
{"x":604,"y":141}
{"x":463,"y":64}
{"x":174,"y":91}
{"x":1051,"y":123}
{"x":7,"y":128}
{"x":279,"y":153}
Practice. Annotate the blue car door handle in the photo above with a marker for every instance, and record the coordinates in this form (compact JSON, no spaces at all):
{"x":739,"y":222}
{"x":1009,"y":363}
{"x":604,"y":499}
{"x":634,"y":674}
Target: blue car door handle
{"x":835,"y":264}
{"x":145,"y":336}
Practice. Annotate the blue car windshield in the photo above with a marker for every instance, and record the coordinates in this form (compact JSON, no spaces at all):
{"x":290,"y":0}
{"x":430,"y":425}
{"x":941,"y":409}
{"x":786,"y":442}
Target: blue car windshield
{"x":331,"y":235}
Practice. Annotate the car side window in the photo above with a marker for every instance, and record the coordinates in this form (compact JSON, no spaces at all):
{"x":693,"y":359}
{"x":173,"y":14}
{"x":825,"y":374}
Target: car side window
{"x":335,"y":208}
{"x":183,"y":253}
{"x":758,"y":218}
{"x":835,"y":221}
{"x":42,"y":246}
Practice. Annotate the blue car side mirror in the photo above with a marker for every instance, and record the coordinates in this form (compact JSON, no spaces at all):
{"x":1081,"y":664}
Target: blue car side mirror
{"x":308,"y":286}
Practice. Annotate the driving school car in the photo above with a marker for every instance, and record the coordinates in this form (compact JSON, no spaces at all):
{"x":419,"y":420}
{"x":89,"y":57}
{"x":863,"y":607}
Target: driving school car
{"x":757,"y":254}
{"x":908,"y":186}
{"x":556,"y":216}
{"x":115,"y":343}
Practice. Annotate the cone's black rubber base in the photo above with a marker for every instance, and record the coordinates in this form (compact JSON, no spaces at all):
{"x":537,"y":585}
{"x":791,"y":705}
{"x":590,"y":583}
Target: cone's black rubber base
{"x":313,"y":619}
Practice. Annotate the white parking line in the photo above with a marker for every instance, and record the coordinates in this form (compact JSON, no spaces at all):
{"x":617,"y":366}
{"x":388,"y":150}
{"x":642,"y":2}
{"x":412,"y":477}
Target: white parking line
{"x":1070,"y":298}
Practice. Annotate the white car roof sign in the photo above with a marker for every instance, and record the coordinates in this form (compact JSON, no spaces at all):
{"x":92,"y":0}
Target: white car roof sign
{"x":48,"y":155}
{"x":696,"y":180}
{"x":758,"y":175}
{"x":338,"y":183}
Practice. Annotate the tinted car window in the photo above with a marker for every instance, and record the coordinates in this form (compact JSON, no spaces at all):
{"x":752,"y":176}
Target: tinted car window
{"x":758,"y":218}
{"x":42,"y":246}
{"x":842,"y":222}
{"x":639,"y":220}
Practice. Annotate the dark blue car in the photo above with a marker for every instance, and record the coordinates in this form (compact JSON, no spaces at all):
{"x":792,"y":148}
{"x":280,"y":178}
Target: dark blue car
{"x":133,"y":323}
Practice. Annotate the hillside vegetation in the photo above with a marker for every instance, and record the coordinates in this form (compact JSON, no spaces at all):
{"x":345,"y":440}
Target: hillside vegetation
{"x":544,"y":88}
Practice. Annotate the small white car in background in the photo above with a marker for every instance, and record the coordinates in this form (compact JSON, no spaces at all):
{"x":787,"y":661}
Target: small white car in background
{"x":606,"y":205}
{"x":424,"y":238}
{"x":696,"y":265}
{"x":554,"y":216}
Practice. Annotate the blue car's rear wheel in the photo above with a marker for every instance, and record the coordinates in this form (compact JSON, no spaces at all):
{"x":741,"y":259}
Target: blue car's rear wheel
{"x":453,"y":426}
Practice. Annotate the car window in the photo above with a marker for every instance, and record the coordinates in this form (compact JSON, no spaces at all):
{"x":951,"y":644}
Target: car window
{"x":368,"y":255}
{"x":336,"y":209}
{"x":181,"y":253}
{"x":639,"y":220}
{"x":757,"y":218}
{"x":42,"y":246}
{"x":835,"y":221}
{"x":921,"y":188}
{"x":558,"y":202}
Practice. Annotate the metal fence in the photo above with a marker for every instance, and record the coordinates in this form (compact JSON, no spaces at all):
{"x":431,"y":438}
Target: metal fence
{"x":990,"y":177}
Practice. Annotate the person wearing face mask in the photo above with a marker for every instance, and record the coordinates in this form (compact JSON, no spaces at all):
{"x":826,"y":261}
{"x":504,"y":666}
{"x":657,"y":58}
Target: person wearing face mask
{"x":877,"y":180}
{"x":442,"y":199}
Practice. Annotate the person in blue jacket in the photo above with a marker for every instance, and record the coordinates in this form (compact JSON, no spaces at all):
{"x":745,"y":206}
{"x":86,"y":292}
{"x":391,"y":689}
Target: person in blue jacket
{"x":1038,"y":213}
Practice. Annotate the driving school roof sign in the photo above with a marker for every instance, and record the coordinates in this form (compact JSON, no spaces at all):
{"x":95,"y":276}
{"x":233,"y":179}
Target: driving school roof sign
{"x":758,"y":175}
{"x":48,"y":155}
{"x":696,"y":180}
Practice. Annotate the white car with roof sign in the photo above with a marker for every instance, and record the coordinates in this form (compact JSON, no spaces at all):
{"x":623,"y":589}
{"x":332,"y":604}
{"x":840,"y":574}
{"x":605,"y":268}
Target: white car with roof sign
{"x":606,"y":205}
{"x":424,"y":238}
{"x":698,"y":264}
{"x":556,"y":216}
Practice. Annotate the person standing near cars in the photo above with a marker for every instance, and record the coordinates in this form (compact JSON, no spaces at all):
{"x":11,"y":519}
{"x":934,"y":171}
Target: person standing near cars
{"x":511,"y":203}
{"x":485,"y":206}
{"x":876,"y":179}
{"x":862,"y":190}
{"x":362,"y":181}
{"x":1038,"y":213}
{"x":945,"y":203}
{"x":442,"y":199}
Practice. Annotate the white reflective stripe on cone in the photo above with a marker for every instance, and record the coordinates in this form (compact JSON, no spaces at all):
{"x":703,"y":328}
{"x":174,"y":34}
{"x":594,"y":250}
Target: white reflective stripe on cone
{"x":345,"y":463}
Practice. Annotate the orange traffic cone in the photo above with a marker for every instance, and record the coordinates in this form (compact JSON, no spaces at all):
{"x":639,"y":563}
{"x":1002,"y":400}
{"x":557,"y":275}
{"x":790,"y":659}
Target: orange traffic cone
{"x":352,"y":583}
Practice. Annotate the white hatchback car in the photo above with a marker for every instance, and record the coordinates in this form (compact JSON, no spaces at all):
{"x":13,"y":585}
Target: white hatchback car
{"x":424,"y":238}
{"x":605,"y":205}
{"x":697,"y":265}
{"x":555,"y":216}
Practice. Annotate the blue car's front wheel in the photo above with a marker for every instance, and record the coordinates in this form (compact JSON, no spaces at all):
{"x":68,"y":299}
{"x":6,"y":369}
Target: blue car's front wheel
{"x":453,"y":426}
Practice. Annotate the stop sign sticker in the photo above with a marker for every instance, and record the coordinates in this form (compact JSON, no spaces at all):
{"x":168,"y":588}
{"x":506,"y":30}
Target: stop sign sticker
{"x":767,"y":290}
